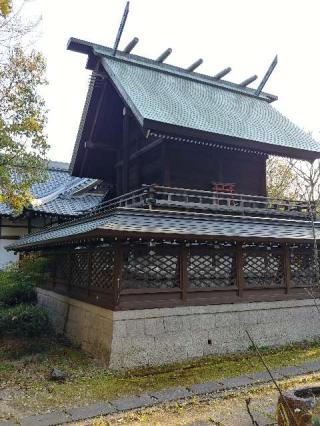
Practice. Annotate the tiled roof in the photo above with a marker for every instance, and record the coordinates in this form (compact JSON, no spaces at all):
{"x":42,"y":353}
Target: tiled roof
{"x":161,"y":93}
{"x":61,"y":194}
{"x":130,"y":221}
{"x":70,"y":205}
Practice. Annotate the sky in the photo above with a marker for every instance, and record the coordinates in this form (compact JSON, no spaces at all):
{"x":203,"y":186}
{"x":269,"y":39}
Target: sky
{"x":243,"y":34}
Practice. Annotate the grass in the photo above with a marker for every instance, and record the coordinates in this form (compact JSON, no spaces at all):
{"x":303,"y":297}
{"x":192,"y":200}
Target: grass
{"x":25,"y":366}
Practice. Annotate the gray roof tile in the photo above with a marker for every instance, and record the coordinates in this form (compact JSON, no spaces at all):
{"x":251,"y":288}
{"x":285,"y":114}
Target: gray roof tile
{"x":130,"y":220}
{"x":186,"y":102}
{"x":58,"y":194}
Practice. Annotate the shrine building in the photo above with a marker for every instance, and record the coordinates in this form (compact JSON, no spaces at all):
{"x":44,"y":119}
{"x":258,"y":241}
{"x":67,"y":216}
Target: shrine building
{"x":188,"y":251}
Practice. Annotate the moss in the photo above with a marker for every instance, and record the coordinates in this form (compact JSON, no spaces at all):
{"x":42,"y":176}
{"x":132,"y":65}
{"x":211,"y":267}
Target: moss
{"x":93,"y":382}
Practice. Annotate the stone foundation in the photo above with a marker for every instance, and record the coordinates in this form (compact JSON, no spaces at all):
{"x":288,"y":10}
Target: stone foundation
{"x":157,"y":336}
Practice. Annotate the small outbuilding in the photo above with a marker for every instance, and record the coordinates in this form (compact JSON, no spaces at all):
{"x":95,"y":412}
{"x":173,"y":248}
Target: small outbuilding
{"x":57,"y":199}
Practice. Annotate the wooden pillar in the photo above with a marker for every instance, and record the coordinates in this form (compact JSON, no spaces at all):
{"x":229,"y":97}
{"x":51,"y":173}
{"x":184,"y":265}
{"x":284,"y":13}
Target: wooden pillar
{"x":239,"y":269}
{"x":125,"y":150}
{"x":117,"y":272}
{"x":286,"y":269}
{"x":118,"y":180}
{"x":183,"y":272}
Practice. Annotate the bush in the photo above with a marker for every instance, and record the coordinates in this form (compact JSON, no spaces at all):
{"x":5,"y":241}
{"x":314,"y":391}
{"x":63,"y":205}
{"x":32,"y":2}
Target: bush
{"x":24,"y":321}
{"x":15,"y":293}
{"x":18,"y":282}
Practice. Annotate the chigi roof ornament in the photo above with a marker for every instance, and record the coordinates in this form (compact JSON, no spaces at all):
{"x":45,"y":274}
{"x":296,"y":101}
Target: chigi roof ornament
{"x":164,"y":55}
{"x":248,"y":81}
{"x":195,"y":65}
{"x":222,"y":73}
{"x":131,"y":45}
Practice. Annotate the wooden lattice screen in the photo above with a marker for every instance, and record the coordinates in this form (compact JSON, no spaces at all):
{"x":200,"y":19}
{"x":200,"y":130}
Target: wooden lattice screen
{"x":150,"y":267}
{"x":214,"y":267}
{"x":143,"y":269}
{"x":263,"y":269}
{"x":302,"y":268}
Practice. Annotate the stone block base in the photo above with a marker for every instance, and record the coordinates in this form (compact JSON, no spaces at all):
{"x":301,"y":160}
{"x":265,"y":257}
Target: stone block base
{"x":126,"y":339}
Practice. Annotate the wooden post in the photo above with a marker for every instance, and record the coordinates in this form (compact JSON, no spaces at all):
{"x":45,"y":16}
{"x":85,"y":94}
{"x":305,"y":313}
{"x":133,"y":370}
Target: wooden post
{"x":239,"y":269}
{"x":286,"y":269}
{"x":183,"y":272}
{"x":125,"y":150}
{"x":117,"y":272}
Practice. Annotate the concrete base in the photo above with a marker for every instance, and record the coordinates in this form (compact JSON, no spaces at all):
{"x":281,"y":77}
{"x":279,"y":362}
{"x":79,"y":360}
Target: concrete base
{"x":158,"y":336}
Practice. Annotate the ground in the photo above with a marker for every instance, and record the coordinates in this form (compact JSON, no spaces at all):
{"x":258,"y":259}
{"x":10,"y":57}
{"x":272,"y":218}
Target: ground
{"x":25,"y":367}
{"x":226,"y":410}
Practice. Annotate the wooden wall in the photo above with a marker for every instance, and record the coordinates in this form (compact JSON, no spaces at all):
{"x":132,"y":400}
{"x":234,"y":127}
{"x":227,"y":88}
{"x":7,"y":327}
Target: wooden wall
{"x":190,"y":166}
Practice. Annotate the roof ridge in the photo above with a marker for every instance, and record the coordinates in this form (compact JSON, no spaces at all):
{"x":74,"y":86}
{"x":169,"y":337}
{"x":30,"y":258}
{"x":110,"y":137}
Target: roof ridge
{"x":143,"y":61}
{"x":54,"y":195}
{"x":62,"y":166}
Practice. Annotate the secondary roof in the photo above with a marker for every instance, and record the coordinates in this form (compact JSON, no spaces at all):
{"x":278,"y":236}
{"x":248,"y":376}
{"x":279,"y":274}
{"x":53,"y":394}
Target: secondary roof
{"x":61,"y":194}
{"x":156,"y":223}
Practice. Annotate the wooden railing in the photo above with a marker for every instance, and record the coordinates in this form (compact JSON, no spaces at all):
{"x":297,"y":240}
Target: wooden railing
{"x":241,"y":203}
{"x":154,"y":196}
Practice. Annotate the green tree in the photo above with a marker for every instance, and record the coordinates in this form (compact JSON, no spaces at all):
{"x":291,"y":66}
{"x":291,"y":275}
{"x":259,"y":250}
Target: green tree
{"x":23,"y":142}
{"x":5,"y":7}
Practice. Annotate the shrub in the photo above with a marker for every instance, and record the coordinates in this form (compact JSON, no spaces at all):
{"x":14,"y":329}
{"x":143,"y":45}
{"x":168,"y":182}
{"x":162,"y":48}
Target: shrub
{"x":15,"y":293}
{"x":18,"y":282}
{"x":24,"y":321}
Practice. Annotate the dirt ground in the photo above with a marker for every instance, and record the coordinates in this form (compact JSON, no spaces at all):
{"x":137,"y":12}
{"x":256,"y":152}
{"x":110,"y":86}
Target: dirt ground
{"x":227,"y":410}
{"x":26,"y":387}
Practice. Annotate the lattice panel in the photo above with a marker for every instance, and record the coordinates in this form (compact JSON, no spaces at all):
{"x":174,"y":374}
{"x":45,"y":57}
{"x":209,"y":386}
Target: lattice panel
{"x":63,"y":264}
{"x":302,"y":270}
{"x":211,"y":270}
{"x":80,"y":270}
{"x":48,"y":266}
{"x":149,"y":269}
{"x":263,"y":270}
{"x":47,"y":277}
{"x":102,"y":262}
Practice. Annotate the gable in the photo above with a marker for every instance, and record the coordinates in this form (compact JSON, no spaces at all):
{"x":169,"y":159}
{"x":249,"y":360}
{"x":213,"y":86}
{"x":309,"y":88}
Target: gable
{"x":176,"y":102}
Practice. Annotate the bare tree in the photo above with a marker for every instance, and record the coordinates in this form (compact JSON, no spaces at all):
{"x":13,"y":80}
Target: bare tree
{"x":307,"y":177}
{"x":281,"y":180}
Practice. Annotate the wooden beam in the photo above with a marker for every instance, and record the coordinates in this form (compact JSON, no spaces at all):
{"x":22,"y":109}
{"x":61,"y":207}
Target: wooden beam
{"x":99,"y":146}
{"x":136,"y":155}
{"x":146,"y":149}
